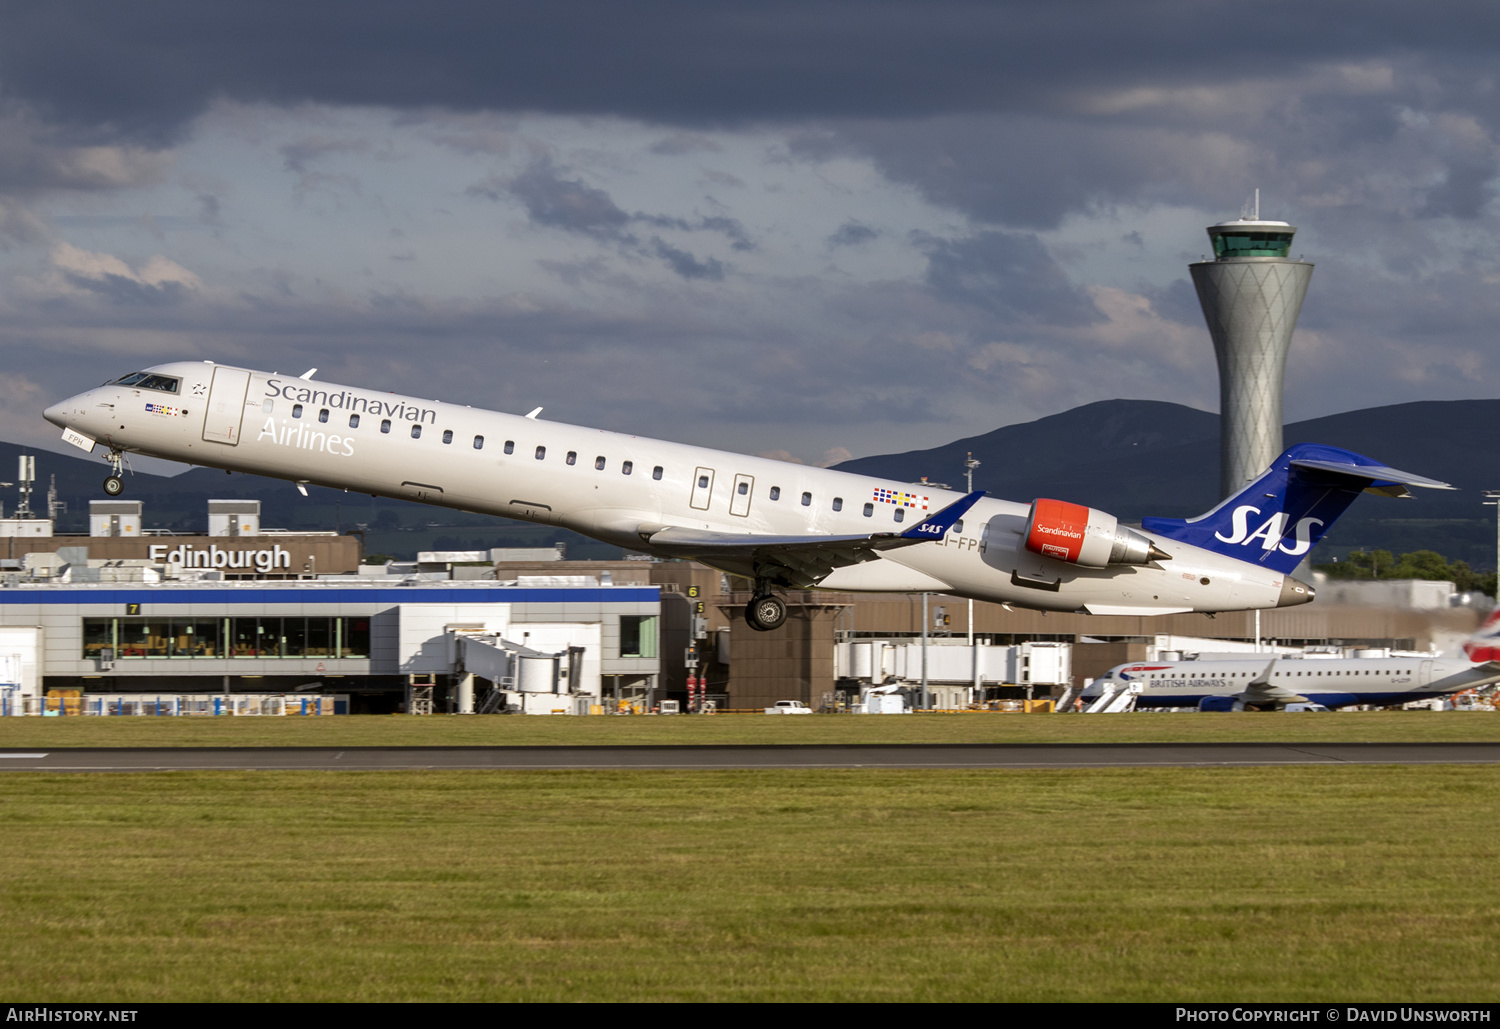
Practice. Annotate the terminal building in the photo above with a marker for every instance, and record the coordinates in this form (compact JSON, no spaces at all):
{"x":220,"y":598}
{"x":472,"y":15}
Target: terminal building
{"x":409,"y":645}
{"x":242,"y":610}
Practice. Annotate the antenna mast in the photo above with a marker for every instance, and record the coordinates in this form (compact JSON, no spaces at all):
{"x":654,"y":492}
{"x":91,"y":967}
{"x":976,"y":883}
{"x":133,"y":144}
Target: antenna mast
{"x":23,"y":483}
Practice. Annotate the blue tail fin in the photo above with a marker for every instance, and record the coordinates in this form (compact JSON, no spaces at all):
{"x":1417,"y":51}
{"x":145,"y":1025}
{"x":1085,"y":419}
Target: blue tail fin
{"x":1279,"y":517}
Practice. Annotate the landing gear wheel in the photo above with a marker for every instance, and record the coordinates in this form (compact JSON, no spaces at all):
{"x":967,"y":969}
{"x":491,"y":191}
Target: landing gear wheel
{"x":765,"y":613}
{"x":115,"y":485}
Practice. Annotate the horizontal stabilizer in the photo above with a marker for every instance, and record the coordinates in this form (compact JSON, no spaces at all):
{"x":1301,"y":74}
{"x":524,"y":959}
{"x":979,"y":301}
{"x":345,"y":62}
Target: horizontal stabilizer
{"x":1382,"y":479}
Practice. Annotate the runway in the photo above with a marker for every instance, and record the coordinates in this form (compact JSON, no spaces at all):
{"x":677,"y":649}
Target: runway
{"x":701,"y":758}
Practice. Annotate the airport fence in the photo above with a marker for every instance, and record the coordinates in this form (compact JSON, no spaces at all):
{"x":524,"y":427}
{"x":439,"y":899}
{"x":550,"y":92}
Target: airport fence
{"x":208,"y":705}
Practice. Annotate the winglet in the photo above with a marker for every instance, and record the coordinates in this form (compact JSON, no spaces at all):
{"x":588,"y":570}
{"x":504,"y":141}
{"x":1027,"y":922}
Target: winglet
{"x":1264,"y":678}
{"x":937,"y":526}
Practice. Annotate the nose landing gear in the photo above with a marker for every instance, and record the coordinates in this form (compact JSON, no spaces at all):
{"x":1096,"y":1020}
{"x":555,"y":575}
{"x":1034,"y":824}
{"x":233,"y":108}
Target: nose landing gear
{"x":114,"y":485}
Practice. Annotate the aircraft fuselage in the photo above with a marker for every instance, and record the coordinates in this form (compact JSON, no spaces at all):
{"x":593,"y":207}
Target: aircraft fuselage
{"x":1331,"y":682}
{"x":620,"y":488}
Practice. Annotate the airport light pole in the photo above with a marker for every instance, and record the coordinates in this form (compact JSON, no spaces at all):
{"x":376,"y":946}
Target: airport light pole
{"x":969,"y":465}
{"x":1492,"y":499}
{"x":924,"y":650}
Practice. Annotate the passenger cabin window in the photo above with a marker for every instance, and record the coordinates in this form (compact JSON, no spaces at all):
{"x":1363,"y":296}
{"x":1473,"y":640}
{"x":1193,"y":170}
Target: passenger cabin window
{"x":656,"y":472}
{"x":958,"y":527}
{"x":267,"y":407}
{"x":541,"y":453}
{"x":416,"y":431}
{"x":627,"y":467}
{"x":743,"y":488}
{"x":478,"y":442}
{"x":149,"y":380}
{"x":838,"y":503}
{"x":447,"y":435}
{"x":385,"y":425}
{"x":296,"y":410}
{"x":599,"y":463}
{"x":869,"y":510}
{"x":900,"y":514}
{"x":807,"y":500}
{"x":510,"y":446}
{"x":703,"y":482}
{"x":572,"y":457}
{"x":354,"y":421}
{"x":775,"y":492}
{"x":323,"y":414}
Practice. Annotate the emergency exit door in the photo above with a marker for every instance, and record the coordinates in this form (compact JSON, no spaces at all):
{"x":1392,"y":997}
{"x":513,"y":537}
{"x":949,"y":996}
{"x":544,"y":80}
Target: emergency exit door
{"x":739,"y":500}
{"x":226,"y":405}
{"x":703,"y":488}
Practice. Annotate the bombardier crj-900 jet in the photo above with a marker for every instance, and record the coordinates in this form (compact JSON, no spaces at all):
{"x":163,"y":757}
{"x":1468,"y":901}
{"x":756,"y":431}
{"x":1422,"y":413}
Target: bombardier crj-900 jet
{"x":782,"y":526}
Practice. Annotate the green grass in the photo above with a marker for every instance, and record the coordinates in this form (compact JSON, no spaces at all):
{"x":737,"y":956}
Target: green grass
{"x":498,"y":730}
{"x":1313,"y":883}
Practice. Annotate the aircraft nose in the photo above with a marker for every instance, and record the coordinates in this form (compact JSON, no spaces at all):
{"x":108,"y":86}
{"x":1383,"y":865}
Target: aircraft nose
{"x":55,"y":413}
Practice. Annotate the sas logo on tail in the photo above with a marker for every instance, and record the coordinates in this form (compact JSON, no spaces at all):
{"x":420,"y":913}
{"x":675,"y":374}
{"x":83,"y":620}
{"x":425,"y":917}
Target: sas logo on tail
{"x":1270,"y":532}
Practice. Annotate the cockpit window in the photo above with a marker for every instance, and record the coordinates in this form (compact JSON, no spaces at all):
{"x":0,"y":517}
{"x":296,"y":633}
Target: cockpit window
{"x":150,"y":380}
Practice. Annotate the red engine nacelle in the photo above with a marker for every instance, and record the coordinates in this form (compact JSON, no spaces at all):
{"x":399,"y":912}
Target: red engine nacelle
{"x":1083,"y":536}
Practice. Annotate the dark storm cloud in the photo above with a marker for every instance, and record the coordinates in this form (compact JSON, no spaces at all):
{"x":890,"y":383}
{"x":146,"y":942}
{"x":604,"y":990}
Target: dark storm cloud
{"x":557,"y":202}
{"x":852,"y":234}
{"x":1010,"y":275}
{"x":130,"y":292}
{"x":730,"y":228}
{"x":685,"y":264}
{"x":569,"y":204}
{"x":145,"y":68}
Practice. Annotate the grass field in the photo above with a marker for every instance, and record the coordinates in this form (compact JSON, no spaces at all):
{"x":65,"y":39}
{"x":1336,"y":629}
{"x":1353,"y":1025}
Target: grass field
{"x":1310,"y":883}
{"x":487,"y":730}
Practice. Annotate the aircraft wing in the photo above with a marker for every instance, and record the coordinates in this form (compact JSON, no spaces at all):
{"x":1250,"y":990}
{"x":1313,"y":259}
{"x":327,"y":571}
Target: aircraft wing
{"x":801,"y":561}
{"x":1262,"y":692}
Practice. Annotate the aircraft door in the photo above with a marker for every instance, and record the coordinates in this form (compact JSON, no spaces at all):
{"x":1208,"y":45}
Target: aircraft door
{"x":739,"y":500}
{"x":1425,"y":675}
{"x":226,"y":405}
{"x":703,"y":488}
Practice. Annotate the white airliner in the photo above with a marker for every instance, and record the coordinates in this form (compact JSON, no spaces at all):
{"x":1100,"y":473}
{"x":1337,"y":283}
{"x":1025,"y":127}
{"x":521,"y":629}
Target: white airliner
{"x":1267,"y":681}
{"x":782,"y":526}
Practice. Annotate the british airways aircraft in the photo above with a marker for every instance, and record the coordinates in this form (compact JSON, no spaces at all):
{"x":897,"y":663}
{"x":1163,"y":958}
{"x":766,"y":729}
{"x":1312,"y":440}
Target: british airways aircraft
{"x":1266,"y":681}
{"x":782,"y":526}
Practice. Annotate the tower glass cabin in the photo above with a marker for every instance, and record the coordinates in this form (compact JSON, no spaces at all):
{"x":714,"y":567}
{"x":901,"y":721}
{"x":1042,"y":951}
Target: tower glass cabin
{"x":1251,"y":293}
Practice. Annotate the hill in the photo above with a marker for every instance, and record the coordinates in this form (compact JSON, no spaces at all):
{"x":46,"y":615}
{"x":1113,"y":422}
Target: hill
{"x":1136,"y":457}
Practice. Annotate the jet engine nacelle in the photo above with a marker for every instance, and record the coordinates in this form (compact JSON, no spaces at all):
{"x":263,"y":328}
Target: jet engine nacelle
{"x":1083,"y":536}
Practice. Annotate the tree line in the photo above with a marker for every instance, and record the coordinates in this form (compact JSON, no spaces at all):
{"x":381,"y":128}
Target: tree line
{"x":1419,"y":564}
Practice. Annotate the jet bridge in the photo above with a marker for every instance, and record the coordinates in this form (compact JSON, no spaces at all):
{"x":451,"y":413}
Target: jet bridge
{"x":522,"y":679}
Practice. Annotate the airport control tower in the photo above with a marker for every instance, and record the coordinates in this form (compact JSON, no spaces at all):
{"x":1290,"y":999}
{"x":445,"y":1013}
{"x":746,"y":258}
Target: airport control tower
{"x":1251,"y":294}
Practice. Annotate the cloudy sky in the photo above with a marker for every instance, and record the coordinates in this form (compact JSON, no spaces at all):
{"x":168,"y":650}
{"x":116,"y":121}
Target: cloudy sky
{"x":808,"y":229}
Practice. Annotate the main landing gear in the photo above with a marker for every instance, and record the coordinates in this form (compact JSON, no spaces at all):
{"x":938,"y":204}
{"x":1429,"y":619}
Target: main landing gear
{"x":114,"y":485}
{"x":765,"y":612}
